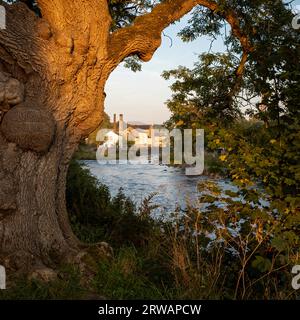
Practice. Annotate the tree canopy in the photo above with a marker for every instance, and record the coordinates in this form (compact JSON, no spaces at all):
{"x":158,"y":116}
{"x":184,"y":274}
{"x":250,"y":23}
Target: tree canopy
{"x":258,"y":123}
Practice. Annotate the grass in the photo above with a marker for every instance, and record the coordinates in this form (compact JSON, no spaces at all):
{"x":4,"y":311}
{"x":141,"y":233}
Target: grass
{"x":66,"y":287}
{"x":162,"y":260}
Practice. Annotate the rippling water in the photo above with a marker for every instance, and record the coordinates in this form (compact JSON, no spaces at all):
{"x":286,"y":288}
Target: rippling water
{"x":172,"y":186}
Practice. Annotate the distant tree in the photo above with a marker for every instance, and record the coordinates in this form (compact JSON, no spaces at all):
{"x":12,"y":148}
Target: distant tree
{"x":271,"y":70}
{"x":203,"y":94}
{"x":262,"y":157}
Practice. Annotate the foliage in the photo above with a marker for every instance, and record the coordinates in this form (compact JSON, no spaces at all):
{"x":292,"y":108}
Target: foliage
{"x":260,"y":138}
{"x":124,"y":12}
{"x":67,"y":286}
{"x":85,"y":152}
{"x":112,"y":219}
{"x":223,"y":250}
{"x":265,"y":149}
{"x":260,"y":244}
{"x":233,"y":247}
{"x":202,"y":93}
{"x":124,"y":278}
{"x":241,"y":243}
{"x":269,"y":88}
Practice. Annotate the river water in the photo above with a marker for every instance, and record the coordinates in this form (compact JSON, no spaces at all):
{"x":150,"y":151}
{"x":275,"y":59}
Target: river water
{"x":172,"y":187}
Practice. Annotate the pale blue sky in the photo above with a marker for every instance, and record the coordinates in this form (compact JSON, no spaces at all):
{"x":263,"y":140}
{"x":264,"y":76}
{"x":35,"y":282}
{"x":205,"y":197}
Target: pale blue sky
{"x":141,"y":96}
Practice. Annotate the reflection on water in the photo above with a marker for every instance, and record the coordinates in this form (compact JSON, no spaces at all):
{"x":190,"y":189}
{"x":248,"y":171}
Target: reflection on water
{"x":172,"y":186}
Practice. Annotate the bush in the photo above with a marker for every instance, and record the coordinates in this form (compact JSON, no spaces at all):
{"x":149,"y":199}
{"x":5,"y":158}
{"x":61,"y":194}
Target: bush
{"x":223,"y":252}
{"x":96,"y":216}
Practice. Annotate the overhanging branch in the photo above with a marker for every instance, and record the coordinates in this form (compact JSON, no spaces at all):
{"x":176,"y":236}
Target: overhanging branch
{"x":144,"y":36}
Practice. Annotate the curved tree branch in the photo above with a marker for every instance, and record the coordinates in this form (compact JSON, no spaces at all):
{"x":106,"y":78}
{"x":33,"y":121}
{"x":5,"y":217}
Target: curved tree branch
{"x":144,"y":36}
{"x":239,"y":75}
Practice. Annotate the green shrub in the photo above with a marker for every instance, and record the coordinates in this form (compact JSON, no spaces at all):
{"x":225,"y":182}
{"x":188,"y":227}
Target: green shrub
{"x":195,"y":255}
{"x":177,"y":259}
{"x":96,"y":216}
{"x":124,"y":278}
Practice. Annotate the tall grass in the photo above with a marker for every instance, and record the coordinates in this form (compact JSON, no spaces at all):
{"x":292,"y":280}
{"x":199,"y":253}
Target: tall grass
{"x":197,"y":254}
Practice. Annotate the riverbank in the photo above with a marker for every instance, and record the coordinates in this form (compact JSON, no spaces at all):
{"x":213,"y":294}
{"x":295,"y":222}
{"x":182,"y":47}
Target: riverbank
{"x":182,"y":258}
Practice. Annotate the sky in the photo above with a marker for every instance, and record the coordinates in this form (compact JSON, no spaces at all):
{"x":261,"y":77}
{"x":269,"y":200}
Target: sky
{"x":141,"y":96}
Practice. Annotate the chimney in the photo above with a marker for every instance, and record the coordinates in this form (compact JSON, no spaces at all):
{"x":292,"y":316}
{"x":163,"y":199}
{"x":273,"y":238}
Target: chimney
{"x":121,"y":122}
{"x":115,"y":123}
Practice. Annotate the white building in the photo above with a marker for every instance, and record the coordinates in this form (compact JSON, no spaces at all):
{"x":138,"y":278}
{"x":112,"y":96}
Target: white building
{"x":108,"y":139}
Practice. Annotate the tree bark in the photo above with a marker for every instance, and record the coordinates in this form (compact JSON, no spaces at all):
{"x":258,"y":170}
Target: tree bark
{"x":52,"y":76}
{"x":51,"y":96}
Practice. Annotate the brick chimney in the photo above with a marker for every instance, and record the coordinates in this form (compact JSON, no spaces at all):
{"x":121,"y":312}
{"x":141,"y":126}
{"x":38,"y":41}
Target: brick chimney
{"x":115,"y":123}
{"x":121,"y":122}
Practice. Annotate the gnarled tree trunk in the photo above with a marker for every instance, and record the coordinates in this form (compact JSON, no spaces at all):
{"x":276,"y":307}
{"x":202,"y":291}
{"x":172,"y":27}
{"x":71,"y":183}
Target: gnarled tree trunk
{"x":52,"y":76}
{"x":51,"y":80}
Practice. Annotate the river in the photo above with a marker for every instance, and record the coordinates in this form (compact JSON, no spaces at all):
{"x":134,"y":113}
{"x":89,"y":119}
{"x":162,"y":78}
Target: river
{"x":172,"y":187}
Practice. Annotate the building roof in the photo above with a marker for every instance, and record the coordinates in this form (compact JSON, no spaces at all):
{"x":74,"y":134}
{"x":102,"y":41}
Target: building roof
{"x":111,"y":134}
